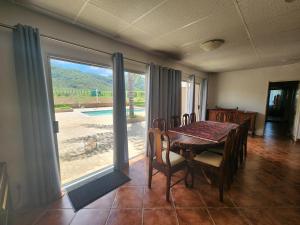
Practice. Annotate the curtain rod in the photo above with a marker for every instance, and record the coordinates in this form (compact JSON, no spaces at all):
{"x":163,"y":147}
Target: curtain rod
{"x":75,"y":44}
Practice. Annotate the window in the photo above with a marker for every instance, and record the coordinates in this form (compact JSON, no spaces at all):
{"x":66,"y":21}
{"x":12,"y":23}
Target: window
{"x":83,"y":102}
{"x":135,"y":102}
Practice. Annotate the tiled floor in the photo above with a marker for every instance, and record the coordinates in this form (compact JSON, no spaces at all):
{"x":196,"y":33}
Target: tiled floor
{"x":266,"y":191}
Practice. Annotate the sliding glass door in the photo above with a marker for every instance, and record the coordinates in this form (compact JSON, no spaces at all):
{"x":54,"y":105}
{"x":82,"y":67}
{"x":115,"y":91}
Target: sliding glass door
{"x":83,"y":100}
{"x":185,"y":98}
{"x":135,"y":102}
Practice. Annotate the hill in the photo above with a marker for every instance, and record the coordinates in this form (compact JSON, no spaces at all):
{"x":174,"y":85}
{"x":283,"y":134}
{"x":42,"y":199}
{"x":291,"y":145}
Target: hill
{"x":75,"y":79}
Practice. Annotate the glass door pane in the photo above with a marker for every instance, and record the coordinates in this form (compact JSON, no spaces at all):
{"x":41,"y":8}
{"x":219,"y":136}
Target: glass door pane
{"x":135,"y":105}
{"x":83,"y":100}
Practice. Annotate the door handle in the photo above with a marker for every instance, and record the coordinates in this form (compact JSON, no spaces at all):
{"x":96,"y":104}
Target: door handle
{"x":55,"y":126}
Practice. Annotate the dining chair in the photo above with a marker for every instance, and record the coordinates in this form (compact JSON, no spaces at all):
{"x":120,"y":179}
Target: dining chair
{"x":192,"y":117}
{"x":175,"y":121}
{"x":159,"y":123}
{"x":185,"y":119}
{"x":245,"y":125}
{"x":220,"y":163}
{"x":236,"y":151}
{"x":165,"y":161}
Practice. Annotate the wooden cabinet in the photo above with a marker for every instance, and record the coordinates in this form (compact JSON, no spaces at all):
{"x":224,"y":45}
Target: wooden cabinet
{"x":239,"y":116}
{"x":4,"y":199}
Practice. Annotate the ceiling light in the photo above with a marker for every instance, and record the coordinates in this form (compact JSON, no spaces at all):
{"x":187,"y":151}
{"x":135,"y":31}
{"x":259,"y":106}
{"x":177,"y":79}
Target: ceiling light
{"x":212,"y":44}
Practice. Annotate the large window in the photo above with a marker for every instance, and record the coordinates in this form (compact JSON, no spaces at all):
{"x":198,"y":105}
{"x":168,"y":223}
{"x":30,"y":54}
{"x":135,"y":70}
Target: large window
{"x":136,"y":124}
{"x":83,"y":107}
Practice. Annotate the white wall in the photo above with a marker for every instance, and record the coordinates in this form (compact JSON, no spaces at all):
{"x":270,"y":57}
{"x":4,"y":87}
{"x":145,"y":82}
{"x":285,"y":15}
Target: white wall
{"x":248,"y":89}
{"x":10,"y":127}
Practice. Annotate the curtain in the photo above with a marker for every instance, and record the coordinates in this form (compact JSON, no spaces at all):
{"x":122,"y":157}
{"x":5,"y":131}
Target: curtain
{"x":191,"y":94}
{"x":42,"y":169}
{"x":164,"y":93}
{"x":119,"y":113}
{"x":203,"y":99}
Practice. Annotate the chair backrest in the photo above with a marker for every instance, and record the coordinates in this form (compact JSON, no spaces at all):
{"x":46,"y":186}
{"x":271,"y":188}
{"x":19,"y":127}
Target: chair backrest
{"x":192,"y":117}
{"x":238,"y":146}
{"x":156,"y":139}
{"x":229,"y":146}
{"x":220,"y":117}
{"x":175,"y":121}
{"x":159,"y":123}
{"x":185,"y":119}
{"x":245,"y":125}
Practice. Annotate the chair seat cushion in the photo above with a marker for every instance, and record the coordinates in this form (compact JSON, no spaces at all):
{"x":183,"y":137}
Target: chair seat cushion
{"x":219,"y":151}
{"x":209,"y":158}
{"x":174,"y":158}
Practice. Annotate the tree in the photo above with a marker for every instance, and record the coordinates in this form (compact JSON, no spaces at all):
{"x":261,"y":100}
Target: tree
{"x":130,"y":93}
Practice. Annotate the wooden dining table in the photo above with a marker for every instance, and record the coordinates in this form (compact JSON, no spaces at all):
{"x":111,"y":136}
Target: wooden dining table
{"x":200,"y":135}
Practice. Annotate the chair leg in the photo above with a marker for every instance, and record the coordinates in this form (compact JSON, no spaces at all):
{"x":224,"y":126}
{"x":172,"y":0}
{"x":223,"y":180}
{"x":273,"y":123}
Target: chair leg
{"x":245,"y":149}
{"x":150,"y":175}
{"x":221,"y":188}
{"x":168,"y":174}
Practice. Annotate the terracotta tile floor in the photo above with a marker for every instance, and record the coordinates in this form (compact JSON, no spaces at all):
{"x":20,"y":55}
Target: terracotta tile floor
{"x":266,"y":191}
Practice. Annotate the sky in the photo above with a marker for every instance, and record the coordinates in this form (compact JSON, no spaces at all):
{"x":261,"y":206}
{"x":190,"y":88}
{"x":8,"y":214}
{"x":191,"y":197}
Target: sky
{"x":82,"y":67}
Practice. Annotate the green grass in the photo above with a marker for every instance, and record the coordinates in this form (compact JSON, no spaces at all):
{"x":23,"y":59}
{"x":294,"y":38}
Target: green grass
{"x":62,"y":106}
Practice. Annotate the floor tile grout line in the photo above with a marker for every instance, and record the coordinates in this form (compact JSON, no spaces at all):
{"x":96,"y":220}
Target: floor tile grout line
{"x":173,"y":201}
{"x":111,"y":207}
{"x":75,"y":213}
{"x":39,"y":217}
{"x":210,"y":216}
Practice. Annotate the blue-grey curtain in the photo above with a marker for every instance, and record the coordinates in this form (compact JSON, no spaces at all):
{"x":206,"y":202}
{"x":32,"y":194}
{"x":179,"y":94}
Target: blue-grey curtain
{"x":191,"y":94}
{"x":119,"y":113}
{"x":164,"y":93}
{"x":42,"y":169}
{"x":203,"y":99}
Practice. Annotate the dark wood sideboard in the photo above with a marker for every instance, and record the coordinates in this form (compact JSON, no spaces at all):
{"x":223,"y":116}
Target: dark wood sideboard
{"x":240,"y":115}
{"x":4,"y":195}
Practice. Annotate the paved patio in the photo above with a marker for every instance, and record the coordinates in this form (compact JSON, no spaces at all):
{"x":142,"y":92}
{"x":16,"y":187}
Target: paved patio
{"x":86,"y":142}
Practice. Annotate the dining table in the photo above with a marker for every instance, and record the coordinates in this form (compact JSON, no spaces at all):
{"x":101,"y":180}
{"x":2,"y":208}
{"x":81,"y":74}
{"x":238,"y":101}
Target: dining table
{"x":200,"y":135}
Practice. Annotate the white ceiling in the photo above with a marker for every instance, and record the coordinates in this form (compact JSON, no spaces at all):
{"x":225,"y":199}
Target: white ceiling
{"x":256,"y":32}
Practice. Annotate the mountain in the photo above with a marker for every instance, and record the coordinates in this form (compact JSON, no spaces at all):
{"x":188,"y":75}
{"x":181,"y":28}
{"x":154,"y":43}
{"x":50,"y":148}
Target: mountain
{"x":76,"y":79}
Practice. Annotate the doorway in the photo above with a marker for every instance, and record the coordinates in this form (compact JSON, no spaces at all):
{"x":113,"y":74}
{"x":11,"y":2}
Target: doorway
{"x":281,"y":109}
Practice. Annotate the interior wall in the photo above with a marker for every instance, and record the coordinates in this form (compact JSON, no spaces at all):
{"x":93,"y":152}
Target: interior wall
{"x":10,"y":133}
{"x":248,"y":89}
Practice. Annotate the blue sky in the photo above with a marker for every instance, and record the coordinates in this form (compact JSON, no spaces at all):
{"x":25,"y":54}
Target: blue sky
{"x":82,"y":67}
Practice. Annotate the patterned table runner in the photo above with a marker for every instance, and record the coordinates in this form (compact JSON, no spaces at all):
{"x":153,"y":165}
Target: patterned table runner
{"x":206,"y":130}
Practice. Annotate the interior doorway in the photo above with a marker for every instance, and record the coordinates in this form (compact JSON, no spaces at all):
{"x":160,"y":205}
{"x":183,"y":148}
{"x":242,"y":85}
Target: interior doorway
{"x":281,"y":109}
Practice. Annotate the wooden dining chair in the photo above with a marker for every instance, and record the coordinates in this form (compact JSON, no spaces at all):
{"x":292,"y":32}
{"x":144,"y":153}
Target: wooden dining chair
{"x":220,"y":163}
{"x":193,"y":117}
{"x":160,"y":124}
{"x":245,"y":125}
{"x":175,"y":121}
{"x":164,"y":160}
{"x":185,"y":119}
{"x":236,"y":152}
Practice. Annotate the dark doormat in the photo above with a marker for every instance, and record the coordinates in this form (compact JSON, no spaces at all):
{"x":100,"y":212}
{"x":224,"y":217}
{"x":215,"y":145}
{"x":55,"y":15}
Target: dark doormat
{"x":91,"y":191}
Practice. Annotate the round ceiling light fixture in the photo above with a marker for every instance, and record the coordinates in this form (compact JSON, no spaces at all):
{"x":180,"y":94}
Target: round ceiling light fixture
{"x":212,"y":44}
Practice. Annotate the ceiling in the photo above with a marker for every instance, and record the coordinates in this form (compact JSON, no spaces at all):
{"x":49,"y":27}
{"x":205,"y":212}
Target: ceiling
{"x":257,"y":33}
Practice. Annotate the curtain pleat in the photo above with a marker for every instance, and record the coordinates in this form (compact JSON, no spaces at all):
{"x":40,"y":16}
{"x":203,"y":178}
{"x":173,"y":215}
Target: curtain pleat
{"x":203,"y":99}
{"x":191,"y":94}
{"x":164,"y":93}
{"x":119,"y":113}
{"x":42,"y":167}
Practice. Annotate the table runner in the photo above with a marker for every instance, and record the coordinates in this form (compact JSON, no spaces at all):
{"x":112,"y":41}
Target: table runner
{"x":206,"y":130}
